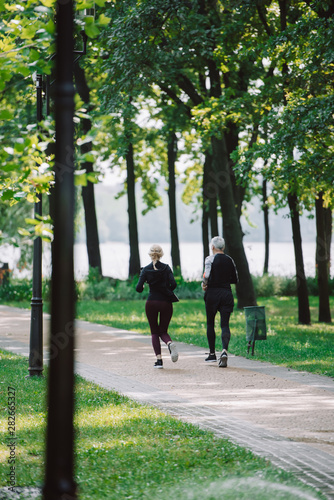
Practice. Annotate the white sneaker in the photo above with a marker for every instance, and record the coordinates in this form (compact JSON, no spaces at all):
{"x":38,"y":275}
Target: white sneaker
{"x":173,"y":352}
{"x":223,"y":359}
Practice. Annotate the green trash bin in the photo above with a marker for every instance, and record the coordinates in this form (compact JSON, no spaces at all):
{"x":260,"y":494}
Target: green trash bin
{"x":255,"y":325}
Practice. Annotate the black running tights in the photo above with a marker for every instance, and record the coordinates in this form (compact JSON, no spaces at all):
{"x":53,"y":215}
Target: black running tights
{"x":210,"y":328}
{"x":159,"y":313}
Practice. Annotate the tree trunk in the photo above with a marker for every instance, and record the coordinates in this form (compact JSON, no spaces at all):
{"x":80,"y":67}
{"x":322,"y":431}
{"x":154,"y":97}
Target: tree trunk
{"x":230,"y":206}
{"x":232,"y":230}
{"x":304,"y":316}
{"x":266,"y":226}
{"x":88,"y":197}
{"x":213,"y":212}
{"x":134,"y":262}
{"x":328,"y":229}
{"x":238,"y":190}
{"x":205,"y":232}
{"x":322,"y":261}
{"x":175,"y":248}
{"x":205,"y":208}
{"x":213,"y":215}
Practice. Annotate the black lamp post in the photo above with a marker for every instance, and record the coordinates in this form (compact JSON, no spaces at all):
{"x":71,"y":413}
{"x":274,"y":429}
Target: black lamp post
{"x":36,"y":324}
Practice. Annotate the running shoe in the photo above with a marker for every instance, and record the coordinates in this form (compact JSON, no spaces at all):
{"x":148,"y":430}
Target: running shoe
{"x":173,"y":352}
{"x":211,"y":358}
{"x":223,"y":359}
{"x":158,"y":363}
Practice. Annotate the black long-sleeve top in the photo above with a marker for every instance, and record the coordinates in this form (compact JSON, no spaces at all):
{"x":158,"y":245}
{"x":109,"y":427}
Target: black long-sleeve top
{"x":161,"y":281}
{"x":223,"y":272}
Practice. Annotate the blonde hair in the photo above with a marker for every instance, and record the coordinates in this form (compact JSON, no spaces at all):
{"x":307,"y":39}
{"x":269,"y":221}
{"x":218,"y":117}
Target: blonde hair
{"x":155,"y":253}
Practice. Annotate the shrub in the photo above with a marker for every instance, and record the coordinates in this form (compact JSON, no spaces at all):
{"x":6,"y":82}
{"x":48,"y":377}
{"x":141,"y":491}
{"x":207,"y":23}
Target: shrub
{"x":95,"y":287}
{"x":16,"y":289}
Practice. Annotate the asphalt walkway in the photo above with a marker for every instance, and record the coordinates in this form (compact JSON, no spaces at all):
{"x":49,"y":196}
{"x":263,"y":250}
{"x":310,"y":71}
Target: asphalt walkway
{"x":280,"y":414}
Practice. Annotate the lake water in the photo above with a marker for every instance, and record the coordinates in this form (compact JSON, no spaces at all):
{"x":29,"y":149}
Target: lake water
{"x":115,"y":259}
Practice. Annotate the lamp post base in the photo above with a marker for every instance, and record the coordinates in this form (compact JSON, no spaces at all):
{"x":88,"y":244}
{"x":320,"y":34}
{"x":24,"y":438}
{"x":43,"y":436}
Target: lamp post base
{"x":35,"y":373}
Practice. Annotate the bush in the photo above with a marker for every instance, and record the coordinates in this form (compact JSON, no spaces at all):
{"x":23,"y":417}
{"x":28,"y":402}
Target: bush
{"x":95,"y":287}
{"x":270,"y":285}
{"x":21,"y":289}
{"x":188,"y":289}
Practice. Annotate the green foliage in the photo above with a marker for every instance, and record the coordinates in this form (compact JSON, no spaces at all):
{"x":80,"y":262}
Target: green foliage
{"x":265,"y":286}
{"x":18,"y":290}
{"x":295,"y":103}
{"x":95,"y":287}
{"x":281,"y":286}
{"x":99,"y":288}
{"x":27,"y":31}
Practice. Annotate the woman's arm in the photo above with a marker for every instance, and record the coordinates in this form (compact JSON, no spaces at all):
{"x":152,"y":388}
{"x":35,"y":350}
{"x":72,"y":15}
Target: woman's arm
{"x":171,"y":279}
{"x":141,"y":281}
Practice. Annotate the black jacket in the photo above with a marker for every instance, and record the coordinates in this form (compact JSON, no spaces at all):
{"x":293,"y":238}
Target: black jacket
{"x":161,"y":282}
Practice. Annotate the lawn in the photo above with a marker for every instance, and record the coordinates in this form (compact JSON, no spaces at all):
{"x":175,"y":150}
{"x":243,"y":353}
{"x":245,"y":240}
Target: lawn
{"x":128,"y":451}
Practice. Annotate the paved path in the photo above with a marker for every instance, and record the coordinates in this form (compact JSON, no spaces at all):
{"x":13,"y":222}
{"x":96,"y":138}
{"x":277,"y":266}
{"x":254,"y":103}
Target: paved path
{"x":283,"y":415}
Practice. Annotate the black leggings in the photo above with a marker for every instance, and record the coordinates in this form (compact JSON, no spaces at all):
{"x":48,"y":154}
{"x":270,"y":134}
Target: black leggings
{"x":159,"y":327}
{"x":222,"y":301}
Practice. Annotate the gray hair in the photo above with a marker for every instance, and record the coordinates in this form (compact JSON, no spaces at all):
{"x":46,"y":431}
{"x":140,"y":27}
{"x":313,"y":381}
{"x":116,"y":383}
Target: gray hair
{"x":218,"y":243}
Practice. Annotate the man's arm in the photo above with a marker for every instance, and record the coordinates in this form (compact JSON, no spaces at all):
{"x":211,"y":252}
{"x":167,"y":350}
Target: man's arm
{"x":207,"y":268}
{"x":207,"y":271}
{"x":234,"y":273}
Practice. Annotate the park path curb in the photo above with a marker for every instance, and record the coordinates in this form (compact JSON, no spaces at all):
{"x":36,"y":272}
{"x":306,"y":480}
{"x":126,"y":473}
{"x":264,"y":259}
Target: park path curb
{"x":229,"y":402}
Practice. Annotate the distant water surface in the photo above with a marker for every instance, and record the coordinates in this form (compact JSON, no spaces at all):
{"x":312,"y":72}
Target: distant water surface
{"x":115,"y":259}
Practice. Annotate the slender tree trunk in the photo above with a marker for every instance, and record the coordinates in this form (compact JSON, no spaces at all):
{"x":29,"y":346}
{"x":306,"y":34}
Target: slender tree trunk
{"x":328,"y":229}
{"x":134,"y":262}
{"x":213,"y":212}
{"x":205,"y":209}
{"x":266,"y":226}
{"x":232,"y":140}
{"x":232,"y":230}
{"x":304,"y":316}
{"x":322,"y":261}
{"x":230,"y":207}
{"x":213,"y":215}
{"x":88,"y":196}
{"x":210,"y":195}
{"x":205,"y":231}
{"x":175,"y":248}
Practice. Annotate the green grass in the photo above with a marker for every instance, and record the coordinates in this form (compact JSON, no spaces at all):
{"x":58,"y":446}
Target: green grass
{"x":308,"y":348}
{"x":128,"y":451}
